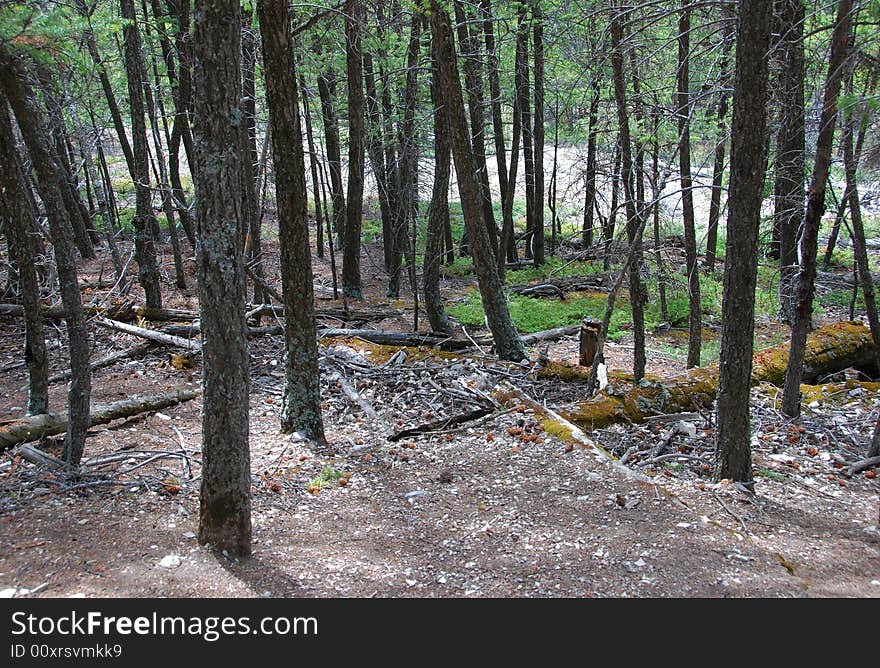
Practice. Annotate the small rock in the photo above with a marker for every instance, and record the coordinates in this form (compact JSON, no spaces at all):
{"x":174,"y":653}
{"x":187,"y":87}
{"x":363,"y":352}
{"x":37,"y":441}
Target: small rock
{"x":411,"y":583}
{"x":683,"y":525}
{"x":409,"y":496}
{"x":169,"y":561}
{"x":162,"y":416}
{"x":188,"y":534}
{"x":685,"y":428}
{"x":8,"y":592}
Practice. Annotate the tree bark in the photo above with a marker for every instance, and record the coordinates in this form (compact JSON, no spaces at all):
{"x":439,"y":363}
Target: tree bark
{"x":143,"y":220}
{"x":683,"y":101}
{"x":733,"y":454}
{"x":351,"y":252}
{"x":790,"y":167}
{"x":225,"y":510}
{"x":590,"y":177}
{"x":538,"y":134}
{"x":806,"y":283}
{"x":507,"y":343}
{"x":301,"y":410}
{"x":18,"y":224}
{"x":50,"y":182}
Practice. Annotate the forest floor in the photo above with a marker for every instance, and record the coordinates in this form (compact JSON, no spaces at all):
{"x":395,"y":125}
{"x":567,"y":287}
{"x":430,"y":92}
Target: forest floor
{"x":496,"y":507}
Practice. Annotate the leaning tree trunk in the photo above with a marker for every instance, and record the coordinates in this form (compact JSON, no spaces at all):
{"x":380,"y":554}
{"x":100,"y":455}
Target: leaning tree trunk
{"x":225,"y":511}
{"x":590,"y":176}
{"x":733,"y":454}
{"x":301,"y":411}
{"x":507,"y":343}
{"x":19,"y":223}
{"x":791,"y":399}
{"x":522,"y":87}
{"x":50,"y":182}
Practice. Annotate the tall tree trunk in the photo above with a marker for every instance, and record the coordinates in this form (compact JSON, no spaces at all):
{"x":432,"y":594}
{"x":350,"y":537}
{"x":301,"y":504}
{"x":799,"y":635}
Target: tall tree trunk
{"x":19,"y":224}
{"x":498,"y":132}
{"x":376,"y":154}
{"x":508,"y":345}
{"x":469,"y":46}
{"x":791,"y":392}
{"x":521,"y":77}
{"x":313,"y":168}
{"x":327,"y":93}
{"x":590,"y":177}
{"x":145,"y":250}
{"x":225,"y":512}
{"x":112,"y":104}
{"x":251,"y":223}
{"x":609,"y":224}
{"x":405,"y":201}
{"x":720,"y":146}
{"x":683,"y":101}
{"x":351,"y":252}
{"x":438,"y":211}
{"x":538,"y":203}
{"x":657,"y":187}
{"x":789,"y":186}
{"x":733,"y":454}
{"x":302,"y":387}
{"x":633,"y":217}
{"x":508,"y":233}
{"x":50,"y":182}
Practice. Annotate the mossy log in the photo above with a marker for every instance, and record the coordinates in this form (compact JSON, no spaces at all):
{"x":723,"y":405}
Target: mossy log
{"x":830,"y":349}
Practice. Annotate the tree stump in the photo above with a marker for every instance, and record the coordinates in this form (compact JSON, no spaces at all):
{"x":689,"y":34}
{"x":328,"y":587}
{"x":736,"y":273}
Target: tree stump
{"x":589,"y":342}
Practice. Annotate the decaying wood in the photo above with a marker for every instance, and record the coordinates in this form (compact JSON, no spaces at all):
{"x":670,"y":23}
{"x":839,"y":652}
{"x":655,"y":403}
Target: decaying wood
{"x":588,"y":342}
{"x":862,"y":465}
{"x":559,"y":287}
{"x":442,"y":423}
{"x":36,"y":456}
{"x":830,"y":349}
{"x":354,"y":396}
{"x":395,"y":338}
{"x":34,"y":427}
{"x":121,"y":312}
{"x":149,"y":334}
{"x":549,"y":335}
{"x":134,"y":351}
{"x":558,"y":426}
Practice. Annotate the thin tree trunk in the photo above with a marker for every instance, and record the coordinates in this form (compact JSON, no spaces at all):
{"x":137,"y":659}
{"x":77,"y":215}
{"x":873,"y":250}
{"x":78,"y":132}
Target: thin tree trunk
{"x":351,"y":253}
{"x":720,"y":145}
{"x":522,"y":86}
{"x":538,"y":203}
{"x":695,"y":324}
{"x":145,"y":251}
{"x":326,"y":91}
{"x":789,"y":186}
{"x":656,"y":188}
{"x":19,"y":225}
{"x":507,"y":343}
{"x":590,"y":184}
{"x":313,"y":166}
{"x":633,"y":227}
{"x":438,"y":211}
{"x":225,"y":511}
{"x":301,"y":410}
{"x":733,"y":454}
{"x":50,"y":182}
{"x":791,"y":394}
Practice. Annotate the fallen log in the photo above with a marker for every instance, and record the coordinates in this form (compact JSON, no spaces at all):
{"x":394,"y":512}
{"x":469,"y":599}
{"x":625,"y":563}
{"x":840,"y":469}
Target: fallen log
{"x":830,"y":349}
{"x":121,"y":312}
{"x":442,"y":423}
{"x":149,"y":334}
{"x":549,"y":335}
{"x":134,"y":351}
{"x":35,"y":427}
{"x":395,"y":338}
{"x":861,"y":466}
{"x":559,"y":287}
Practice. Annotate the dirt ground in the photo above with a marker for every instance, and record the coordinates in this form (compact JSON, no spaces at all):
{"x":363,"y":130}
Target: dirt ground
{"x":470,"y":511}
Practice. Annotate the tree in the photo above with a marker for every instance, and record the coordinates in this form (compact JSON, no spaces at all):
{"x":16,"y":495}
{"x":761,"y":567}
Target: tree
{"x":687,"y":196}
{"x":18,"y":218}
{"x":225,"y":511}
{"x":508,"y":345}
{"x":143,"y":220}
{"x":51,"y":182}
{"x":733,"y":455}
{"x":351,"y":250}
{"x":790,"y":138}
{"x":302,"y":388}
{"x":803,"y":309}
